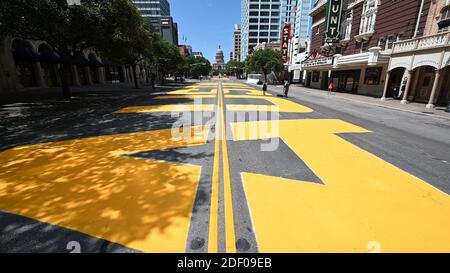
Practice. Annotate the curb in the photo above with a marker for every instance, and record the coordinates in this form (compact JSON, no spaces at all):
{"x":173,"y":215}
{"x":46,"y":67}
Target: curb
{"x":370,"y":103}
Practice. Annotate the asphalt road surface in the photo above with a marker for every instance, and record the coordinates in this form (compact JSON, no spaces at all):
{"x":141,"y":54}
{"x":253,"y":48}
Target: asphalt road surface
{"x":218,"y":167}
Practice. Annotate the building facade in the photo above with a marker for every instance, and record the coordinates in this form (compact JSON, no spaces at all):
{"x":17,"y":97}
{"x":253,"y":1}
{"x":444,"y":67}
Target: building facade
{"x":359,"y":62}
{"x":185,"y":50}
{"x":419,"y":68}
{"x":260,"y":23}
{"x":157,"y":13}
{"x":219,"y":62}
{"x":236,"y":53}
{"x":28,"y":64}
{"x":301,"y":28}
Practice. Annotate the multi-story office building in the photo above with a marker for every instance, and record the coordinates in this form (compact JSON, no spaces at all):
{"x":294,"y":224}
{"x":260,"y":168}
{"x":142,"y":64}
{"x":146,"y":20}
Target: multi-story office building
{"x":263,"y":20}
{"x":157,"y":13}
{"x":260,"y":23}
{"x":236,"y":53}
{"x":296,"y":13}
{"x":153,"y":8}
{"x":303,"y":21}
{"x":169,"y":29}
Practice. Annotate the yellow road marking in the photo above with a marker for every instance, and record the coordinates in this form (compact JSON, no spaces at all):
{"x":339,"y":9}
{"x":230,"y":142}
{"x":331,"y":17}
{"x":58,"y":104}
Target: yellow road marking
{"x":230,"y":236}
{"x":364,"y":199}
{"x":185,"y":97}
{"x":214,"y":207}
{"x":282,"y":105}
{"x":193,"y":91}
{"x":90,"y":185}
{"x":167,"y":108}
{"x":247,"y":91}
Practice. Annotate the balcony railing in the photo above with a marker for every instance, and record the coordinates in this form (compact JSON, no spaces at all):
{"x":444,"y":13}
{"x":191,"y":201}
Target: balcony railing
{"x":422,"y":43}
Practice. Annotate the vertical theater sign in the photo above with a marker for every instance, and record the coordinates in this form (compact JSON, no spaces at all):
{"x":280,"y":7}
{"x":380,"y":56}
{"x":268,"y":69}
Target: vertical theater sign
{"x":333,"y":21}
{"x":285,"y":42}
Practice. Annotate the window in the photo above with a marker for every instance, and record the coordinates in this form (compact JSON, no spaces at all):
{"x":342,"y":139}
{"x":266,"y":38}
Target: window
{"x":364,"y":46}
{"x":382,"y":42}
{"x":444,"y":22}
{"x":373,"y":76}
{"x":315,"y":76}
{"x":389,"y":42}
{"x":347,"y":25}
{"x":368,"y":16}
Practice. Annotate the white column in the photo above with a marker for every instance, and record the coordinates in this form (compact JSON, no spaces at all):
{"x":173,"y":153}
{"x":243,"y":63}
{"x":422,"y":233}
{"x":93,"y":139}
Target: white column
{"x":101,"y":75}
{"x":437,"y":77}
{"x":76,"y":77}
{"x":39,"y":74}
{"x":87,"y":70}
{"x":408,"y":86}
{"x":386,"y":85}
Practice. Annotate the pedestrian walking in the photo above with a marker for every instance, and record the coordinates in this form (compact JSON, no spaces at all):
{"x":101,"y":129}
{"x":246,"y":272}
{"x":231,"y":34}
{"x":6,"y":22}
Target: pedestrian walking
{"x":330,"y":88}
{"x":264,"y":88}
{"x":286,"y":86}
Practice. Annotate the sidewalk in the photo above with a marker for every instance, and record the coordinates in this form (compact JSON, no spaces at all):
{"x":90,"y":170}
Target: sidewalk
{"x":32,"y":95}
{"x":416,"y":108}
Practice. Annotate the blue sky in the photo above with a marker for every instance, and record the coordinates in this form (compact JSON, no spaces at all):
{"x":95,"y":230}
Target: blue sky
{"x":207,"y":24}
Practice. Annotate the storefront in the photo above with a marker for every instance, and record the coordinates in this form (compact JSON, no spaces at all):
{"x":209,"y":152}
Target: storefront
{"x":346,"y":80}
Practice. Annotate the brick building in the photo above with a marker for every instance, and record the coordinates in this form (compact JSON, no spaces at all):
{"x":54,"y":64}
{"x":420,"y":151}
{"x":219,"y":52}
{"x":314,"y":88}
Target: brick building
{"x":369,"y":32}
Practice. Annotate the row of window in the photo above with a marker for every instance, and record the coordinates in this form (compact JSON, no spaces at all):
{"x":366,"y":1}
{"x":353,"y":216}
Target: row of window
{"x":264,"y":20}
{"x":262,"y":40}
{"x":265,"y":1}
{"x":264,"y":13}
{"x":264,"y":6}
{"x":367,"y":24}
{"x":263,"y":27}
{"x":255,"y":34}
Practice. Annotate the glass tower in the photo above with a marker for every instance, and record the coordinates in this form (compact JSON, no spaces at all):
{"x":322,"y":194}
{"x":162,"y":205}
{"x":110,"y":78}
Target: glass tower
{"x":263,"y":20}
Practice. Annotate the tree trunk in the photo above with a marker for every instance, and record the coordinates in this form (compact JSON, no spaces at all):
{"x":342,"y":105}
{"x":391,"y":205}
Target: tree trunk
{"x":136,"y":84}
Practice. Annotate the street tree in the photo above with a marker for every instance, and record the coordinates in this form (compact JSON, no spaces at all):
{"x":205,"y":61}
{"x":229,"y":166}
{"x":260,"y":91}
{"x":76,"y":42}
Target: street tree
{"x":265,"y":61}
{"x":198,"y":66}
{"x":235,"y":68}
{"x":133,"y":44}
{"x":167,"y":59}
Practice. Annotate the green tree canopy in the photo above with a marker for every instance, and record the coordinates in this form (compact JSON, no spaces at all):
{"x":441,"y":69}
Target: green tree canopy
{"x":98,"y":24}
{"x":166,"y":59}
{"x":265,"y":61}
{"x":235,"y":68}
{"x":198,"y":66}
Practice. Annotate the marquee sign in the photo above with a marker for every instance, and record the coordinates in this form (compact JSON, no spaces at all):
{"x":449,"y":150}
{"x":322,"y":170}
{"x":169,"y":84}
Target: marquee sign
{"x":286,"y":36}
{"x":318,"y":62}
{"x":333,"y":21}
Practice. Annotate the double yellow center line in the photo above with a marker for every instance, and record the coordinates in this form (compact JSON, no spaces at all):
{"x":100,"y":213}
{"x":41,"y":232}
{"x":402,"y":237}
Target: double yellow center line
{"x":221,"y":149}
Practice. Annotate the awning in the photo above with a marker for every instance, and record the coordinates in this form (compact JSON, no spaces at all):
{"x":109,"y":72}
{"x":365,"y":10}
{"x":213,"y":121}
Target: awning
{"x":94,"y":62}
{"x":48,"y":55}
{"x":23,"y":52}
